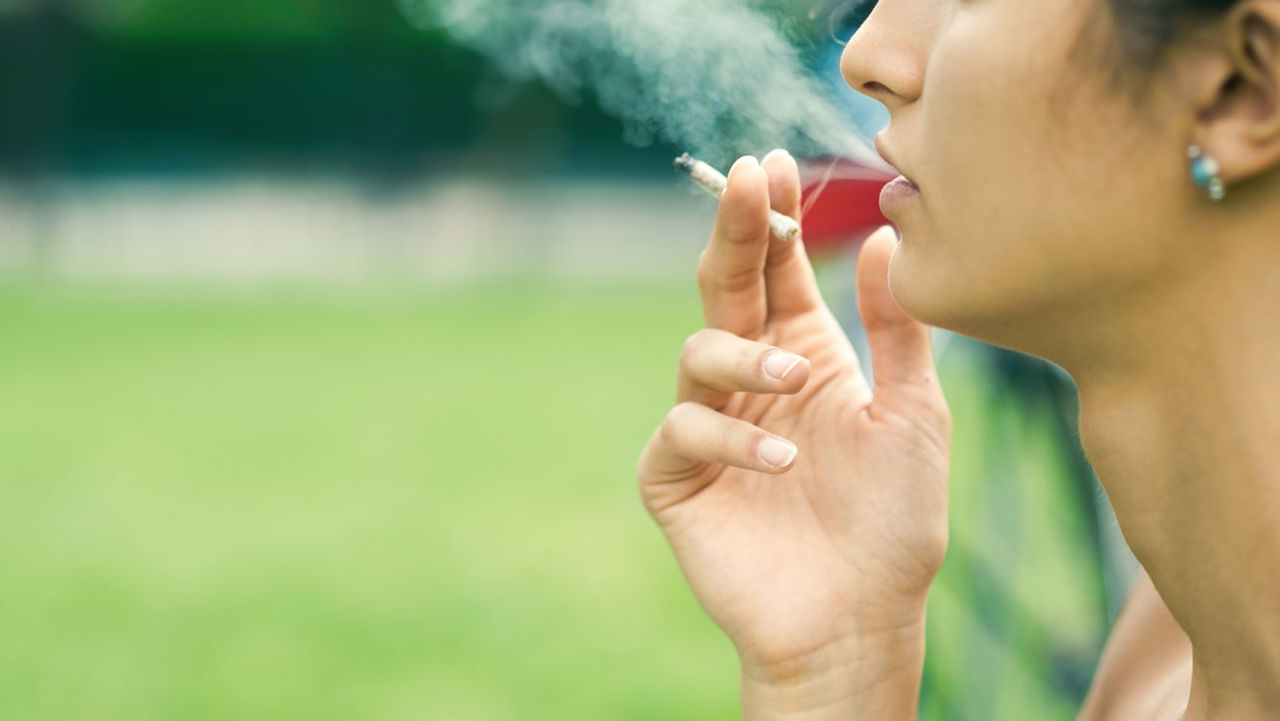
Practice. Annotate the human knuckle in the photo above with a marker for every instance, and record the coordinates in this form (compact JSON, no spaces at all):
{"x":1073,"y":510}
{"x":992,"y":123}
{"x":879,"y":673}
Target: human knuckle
{"x":714,"y":277}
{"x":706,"y":275}
{"x":694,"y":345}
{"x":677,"y":420}
{"x":642,"y":465}
{"x":741,"y":231}
{"x":736,"y":281}
{"x":667,"y":429}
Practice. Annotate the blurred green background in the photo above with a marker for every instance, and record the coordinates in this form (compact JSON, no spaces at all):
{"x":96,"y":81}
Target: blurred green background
{"x":327,"y":353}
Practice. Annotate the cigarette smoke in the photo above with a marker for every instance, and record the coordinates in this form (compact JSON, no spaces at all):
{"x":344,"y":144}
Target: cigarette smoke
{"x":715,"y":76}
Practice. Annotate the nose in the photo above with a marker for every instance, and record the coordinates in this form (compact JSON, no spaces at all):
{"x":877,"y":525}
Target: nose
{"x":886,"y":58}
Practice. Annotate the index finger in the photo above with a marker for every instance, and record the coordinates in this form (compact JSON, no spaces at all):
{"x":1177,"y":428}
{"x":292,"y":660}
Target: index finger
{"x":731,"y":271}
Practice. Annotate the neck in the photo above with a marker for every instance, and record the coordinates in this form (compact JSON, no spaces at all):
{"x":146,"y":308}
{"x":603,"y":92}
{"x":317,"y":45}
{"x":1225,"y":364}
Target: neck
{"x":1180,"y":415}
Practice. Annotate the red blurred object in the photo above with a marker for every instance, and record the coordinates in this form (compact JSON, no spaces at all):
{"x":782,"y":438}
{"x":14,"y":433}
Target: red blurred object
{"x":841,"y":201}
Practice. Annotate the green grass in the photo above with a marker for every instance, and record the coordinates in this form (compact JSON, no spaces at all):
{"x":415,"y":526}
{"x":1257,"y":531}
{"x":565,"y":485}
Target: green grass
{"x":410,"y":506}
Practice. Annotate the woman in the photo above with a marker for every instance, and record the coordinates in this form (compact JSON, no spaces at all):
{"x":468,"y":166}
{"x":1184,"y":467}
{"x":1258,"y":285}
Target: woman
{"x":1096,"y":182}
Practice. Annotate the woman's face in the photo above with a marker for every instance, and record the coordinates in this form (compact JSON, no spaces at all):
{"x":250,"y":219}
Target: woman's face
{"x":1047,"y":193}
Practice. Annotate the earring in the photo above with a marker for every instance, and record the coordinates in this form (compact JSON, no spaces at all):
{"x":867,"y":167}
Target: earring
{"x":1204,"y":171}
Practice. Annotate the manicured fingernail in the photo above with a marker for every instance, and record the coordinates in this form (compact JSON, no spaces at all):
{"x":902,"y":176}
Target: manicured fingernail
{"x":778,"y":364}
{"x":775,"y":452}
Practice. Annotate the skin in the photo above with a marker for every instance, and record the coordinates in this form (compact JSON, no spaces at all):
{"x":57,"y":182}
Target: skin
{"x":1036,"y":229}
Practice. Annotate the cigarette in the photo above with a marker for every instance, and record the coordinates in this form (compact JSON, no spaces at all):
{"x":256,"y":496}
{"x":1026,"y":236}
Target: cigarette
{"x":714,"y":182}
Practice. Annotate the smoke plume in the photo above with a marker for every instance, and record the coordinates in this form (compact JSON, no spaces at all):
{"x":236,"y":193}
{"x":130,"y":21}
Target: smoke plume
{"x":716,"y":76}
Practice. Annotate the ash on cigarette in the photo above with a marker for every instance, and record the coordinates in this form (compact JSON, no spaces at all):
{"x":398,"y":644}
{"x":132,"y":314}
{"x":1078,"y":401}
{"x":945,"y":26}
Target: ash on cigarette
{"x":684,"y":163}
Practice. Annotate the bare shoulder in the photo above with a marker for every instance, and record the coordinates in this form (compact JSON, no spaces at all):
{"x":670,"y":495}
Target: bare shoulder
{"x":1145,"y":672}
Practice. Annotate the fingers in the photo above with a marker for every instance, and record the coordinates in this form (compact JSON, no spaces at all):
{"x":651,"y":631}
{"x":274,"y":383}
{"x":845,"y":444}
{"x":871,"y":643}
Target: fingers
{"x":790,"y":285}
{"x":730,"y":274}
{"x":693,"y":435}
{"x":715,"y":363}
{"x":901,"y":352}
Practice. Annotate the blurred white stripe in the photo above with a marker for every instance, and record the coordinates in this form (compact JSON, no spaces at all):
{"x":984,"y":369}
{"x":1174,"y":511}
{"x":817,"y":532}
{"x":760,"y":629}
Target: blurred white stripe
{"x":262,"y":228}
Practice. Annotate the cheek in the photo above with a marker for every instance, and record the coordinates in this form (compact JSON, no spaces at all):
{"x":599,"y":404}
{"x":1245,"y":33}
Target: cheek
{"x":989,"y":127}
{"x":1010,"y":204}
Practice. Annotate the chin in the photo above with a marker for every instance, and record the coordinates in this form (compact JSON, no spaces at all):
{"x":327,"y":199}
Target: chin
{"x":963,"y":311}
{"x":927,"y":300}
{"x":939,"y":297}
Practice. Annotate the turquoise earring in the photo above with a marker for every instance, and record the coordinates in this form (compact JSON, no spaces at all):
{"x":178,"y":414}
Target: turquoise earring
{"x":1204,"y":171}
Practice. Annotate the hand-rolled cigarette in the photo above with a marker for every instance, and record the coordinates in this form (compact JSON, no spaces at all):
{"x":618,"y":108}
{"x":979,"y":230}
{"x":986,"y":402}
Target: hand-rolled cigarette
{"x":714,"y":182}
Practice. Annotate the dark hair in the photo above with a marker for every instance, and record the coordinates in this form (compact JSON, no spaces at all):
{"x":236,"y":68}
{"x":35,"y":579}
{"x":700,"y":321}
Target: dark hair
{"x":1149,"y":28}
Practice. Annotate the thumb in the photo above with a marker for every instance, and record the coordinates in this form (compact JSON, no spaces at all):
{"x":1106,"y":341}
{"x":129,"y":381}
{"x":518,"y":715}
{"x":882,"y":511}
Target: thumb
{"x":901,"y":352}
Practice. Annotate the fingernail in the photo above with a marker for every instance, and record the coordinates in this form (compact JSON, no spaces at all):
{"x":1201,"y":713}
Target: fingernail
{"x":745,"y":160}
{"x":775,"y":452}
{"x":779,"y":364}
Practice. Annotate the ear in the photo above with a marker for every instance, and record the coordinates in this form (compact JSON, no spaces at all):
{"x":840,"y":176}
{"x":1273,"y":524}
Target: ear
{"x":1238,"y":99}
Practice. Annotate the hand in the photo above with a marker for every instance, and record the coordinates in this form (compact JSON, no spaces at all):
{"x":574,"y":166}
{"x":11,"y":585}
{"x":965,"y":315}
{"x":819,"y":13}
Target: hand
{"x":808,"y":514}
